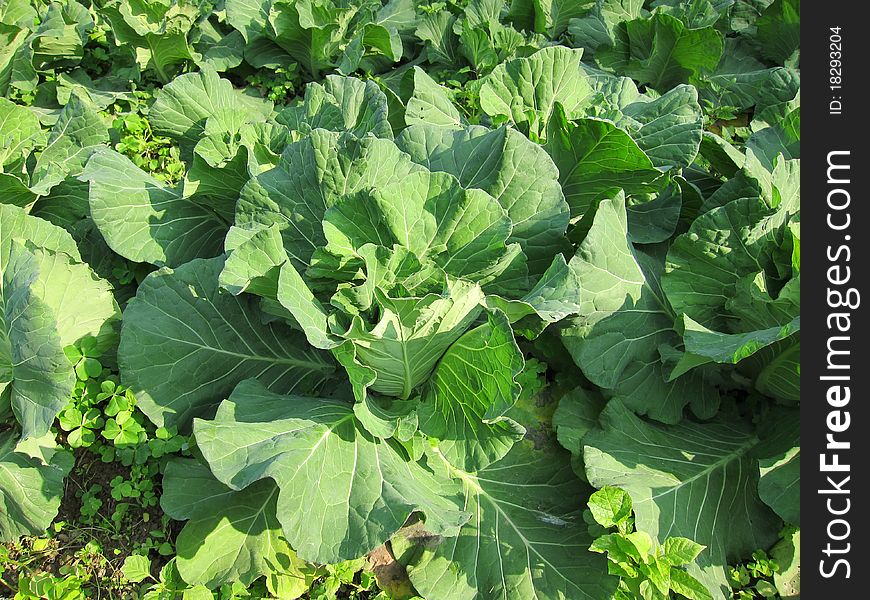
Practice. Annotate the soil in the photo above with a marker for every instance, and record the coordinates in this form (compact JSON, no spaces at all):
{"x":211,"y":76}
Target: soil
{"x":115,"y":543}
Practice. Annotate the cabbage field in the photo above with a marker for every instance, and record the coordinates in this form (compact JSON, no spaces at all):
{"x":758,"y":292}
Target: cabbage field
{"x":393,"y":299}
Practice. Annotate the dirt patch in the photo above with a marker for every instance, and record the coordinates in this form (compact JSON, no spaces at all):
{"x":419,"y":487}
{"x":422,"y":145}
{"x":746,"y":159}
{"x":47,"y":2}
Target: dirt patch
{"x":94,"y":549}
{"x":124,"y":538}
